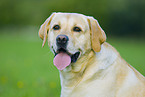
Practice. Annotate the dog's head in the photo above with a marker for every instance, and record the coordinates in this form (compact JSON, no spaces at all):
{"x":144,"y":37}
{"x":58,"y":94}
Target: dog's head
{"x":70,"y":36}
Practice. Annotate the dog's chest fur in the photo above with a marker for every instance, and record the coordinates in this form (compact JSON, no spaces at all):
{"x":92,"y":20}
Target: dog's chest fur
{"x":95,"y":85}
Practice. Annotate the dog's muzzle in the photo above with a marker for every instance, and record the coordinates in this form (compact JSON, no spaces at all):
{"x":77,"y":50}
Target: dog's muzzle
{"x":62,"y":57}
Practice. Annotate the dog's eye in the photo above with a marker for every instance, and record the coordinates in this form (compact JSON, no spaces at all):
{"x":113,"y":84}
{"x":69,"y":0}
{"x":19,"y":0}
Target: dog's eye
{"x":56,"y":27}
{"x":77,"y":29}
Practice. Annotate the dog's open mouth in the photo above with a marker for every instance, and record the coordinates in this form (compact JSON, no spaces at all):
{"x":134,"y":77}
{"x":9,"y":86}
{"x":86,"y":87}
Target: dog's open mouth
{"x":63,"y":58}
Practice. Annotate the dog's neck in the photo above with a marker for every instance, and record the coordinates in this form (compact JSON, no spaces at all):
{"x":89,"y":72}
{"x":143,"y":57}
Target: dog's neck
{"x":73,"y":74}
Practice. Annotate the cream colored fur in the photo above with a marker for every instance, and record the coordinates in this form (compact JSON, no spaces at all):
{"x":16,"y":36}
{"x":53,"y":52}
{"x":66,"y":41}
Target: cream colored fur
{"x":99,"y":71}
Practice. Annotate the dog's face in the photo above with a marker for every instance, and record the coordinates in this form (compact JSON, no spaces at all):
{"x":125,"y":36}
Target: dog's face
{"x":70,"y":36}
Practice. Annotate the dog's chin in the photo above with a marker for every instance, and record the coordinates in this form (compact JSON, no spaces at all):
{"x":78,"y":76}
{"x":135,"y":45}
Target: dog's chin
{"x":74,"y":57}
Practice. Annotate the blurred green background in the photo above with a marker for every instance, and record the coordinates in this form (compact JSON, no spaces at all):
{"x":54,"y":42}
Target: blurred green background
{"x":26,"y":69}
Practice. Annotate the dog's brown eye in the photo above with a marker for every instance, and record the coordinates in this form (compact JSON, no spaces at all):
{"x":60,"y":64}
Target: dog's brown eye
{"x":56,"y":27}
{"x":77,"y":29}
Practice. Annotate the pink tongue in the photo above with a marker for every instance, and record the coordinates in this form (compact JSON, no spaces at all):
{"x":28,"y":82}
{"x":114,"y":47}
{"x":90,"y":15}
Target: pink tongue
{"x":62,"y":60}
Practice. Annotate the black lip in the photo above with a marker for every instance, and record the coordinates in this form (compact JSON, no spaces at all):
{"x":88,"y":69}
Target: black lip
{"x":74,"y":57}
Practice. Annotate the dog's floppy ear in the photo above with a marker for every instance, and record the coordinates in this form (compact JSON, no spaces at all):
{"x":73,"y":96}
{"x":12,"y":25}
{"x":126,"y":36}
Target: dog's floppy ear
{"x":44,"y":28}
{"x":98,"y":36}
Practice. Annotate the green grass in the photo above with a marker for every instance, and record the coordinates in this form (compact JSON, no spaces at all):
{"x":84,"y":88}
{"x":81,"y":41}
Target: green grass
{"x":26,"y":69}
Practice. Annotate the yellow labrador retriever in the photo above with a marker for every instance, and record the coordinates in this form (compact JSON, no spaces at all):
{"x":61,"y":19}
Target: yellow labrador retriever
{"x":89,"y":66}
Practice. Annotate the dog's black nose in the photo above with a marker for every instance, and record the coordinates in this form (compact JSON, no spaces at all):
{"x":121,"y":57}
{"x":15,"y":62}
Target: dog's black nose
{"x":62,"y":40}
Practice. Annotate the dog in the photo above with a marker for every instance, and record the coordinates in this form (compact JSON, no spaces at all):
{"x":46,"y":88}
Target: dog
{"x":88,"y":65}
